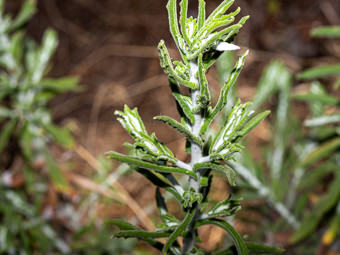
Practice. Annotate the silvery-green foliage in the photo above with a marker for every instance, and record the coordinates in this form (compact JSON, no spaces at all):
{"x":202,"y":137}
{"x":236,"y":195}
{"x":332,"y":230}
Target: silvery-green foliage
{"x":24,"y":92}
{"x":200,"y":41}
{"x":27,"y":130}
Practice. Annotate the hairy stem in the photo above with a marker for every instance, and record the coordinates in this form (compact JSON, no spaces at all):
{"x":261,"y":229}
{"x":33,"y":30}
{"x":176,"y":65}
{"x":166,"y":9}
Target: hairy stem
{"x":196,"y":156}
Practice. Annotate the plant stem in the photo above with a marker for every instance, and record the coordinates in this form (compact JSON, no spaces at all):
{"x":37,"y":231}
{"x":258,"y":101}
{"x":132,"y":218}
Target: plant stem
{"x":196,"y":156}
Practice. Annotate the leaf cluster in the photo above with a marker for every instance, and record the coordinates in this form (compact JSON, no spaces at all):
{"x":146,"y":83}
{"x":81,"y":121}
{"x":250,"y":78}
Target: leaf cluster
{"x":25,"y":118}
{"x":27,"y":130}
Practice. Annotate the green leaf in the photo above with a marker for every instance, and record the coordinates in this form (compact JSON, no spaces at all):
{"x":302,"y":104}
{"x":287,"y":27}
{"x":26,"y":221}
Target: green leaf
{"x":201,"y":14}
{"x":337,"y":84}
{"x":222,"y":21}
{"x":49,"y":45}
{"x":219,"y":11}
{"x":269,"y":82}
{"x":330,"y":235}
{"x":125,"y":226}
{"x":323,"y":120}
{"x":161,"y":205}
{"x":55,"y":174}
{"x":6,"y":113}
{"x":2,"y":5}
{"x":183,"y":19}
{"x":141,"y":234}
{"x":173,"y":22}
{"x":61,"y":85}
{"x":225,"y":208}
{"x":254,"y":249}
{"x":61,"y":135}
{"x":27,"y":11}
{"x":229,"y":132}
{"x":283,"y":81}
{"x":312,"y":179}
{"x":167,"y":66}
{"x":132,"y":122}
{"x":6,"y":133}
{"x":250,"y":125}
{"x":148,"y":165}
{"x":26,"y":141}
{"x":184,"y":102}
{"x":312,"y":98}
{"x":312,"y":220}
{"x":319,"y":72}
{"x":204,"y":90}
{"x":326,"y":31}
{"x":17,"y":48}
{"x":223,"y":35}
{"x":181,"y":128}
{"x":320,"y":152}
{"x":222,"y":100}
{"x":156,"y":179}
{"x":224,"y":169}
{"x":237,"y":239}
{"x":178,"y":231}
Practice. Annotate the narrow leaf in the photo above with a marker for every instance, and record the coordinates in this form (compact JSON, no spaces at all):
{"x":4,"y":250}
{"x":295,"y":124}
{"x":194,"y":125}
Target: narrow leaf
{"x":225,"y":33}
{"x":250,"y":125}
{"x":322,"y":151}
{"x":6,"y":133}
{"x":313,"y":98}
{"x":269,"y":83}
{"x":185,"y":105}
{"x":254,"y":249}
{"x":49,"y":45}
{"x":61,"y":84}
{"x":326,"y":203}
{"x":237,"y":239}
{"x":183,"y":19}
{"x":168,"y":68}
{"x":179,"y":231}
{"x":27,"y":11}
{"x":319,"y":72}
{"x":5,"y":113}
{"x":223,"y":169}
{"x":181,"y":128}
{"x":141,"y":234}
{"x":201,"y":14}
{"x":156,"y":179}
{"x":61,"y":135}
{"x":222,"y":100}
{"x":161,"y":205}
{"x":326,"y":31}
{"x":312,"y":179}
{"x":220,"y":10}
{"x":323,"y":120}
{"x":57,"y":177}
{"x":125,"y":226}
{"x":173,"y":22}
{"x":204,"y":90}
{"x":330,"y":235}
{"x":148,"y":165}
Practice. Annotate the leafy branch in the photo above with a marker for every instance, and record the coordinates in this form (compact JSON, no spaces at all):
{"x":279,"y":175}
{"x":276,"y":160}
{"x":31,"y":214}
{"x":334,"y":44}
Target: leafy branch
{"x":200,"y":41}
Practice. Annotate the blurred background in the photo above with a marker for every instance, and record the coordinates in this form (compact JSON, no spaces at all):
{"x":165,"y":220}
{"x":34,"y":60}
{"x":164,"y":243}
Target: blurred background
{"x":111,"y":46}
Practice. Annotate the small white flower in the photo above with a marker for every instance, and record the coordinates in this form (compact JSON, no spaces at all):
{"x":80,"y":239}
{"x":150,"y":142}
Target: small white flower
{"x":224,"y":46}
